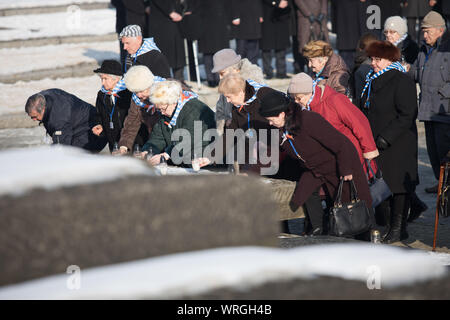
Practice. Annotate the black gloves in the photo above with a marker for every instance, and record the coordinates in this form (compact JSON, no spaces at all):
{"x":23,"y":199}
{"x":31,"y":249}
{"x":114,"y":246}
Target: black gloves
{"x":381,"y":143}
{"x":320,"y":17}
{"x":311,"y":19}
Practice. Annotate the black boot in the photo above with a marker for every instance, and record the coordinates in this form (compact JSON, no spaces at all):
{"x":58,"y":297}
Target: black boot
{"x":394,"y":232}
{"x":399,"y":214}
{"x":417,"y":207}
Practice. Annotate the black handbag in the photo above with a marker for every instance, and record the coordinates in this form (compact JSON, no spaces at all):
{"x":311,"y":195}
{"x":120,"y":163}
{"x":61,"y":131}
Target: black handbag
{"x":349,"y":219}
{"x":379,"y":190}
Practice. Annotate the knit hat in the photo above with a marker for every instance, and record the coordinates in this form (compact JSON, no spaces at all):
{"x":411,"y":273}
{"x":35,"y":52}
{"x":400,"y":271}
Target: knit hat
{"x":110,"y":67}
{"x":396,"y":23}
{"x":225,"y":58}
{"x":300,"y":83}
{"x":131,"y":31}
{"x":384,"y":50}
{"x":433,"y":20}
{"x":138,"y":78}
{"x":273,"y":103}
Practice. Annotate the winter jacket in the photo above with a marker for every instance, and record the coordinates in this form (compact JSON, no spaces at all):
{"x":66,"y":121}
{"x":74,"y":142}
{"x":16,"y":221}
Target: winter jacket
{"x":135,"y":13}
{"x":336,"y":74}
{"x":392,"y":115}
{"x":121,"y":15}
{"x":73,"y":117}
{"x":216,"y":15}
{"x":337,"y":109}
{"x":154,"y":60}
{"x":104,"y":106}
{"x":249,"y":11}
{"x":326,"y":155}
{"x":306,"y":8}
{"x":193,"y":111}
{"x":409,"y":49}
{"x":434,"y":79}
{"x":132,"y":124}
{"x":276,"y":26}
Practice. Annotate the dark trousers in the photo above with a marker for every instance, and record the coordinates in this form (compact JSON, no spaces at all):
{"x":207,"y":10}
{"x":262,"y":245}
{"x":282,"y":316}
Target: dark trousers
{"x":280,"y":62}
{"x":299,"y":60}
{"x":315,"y":211}
{"x":349,"y":57}
{"x":208,"y":62}
{"x":412,"y":22}
{"x":248,"y":49}
{"x":438,"y":143}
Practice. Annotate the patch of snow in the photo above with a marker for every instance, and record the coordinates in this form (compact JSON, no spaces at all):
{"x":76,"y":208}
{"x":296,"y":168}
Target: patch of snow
{"x":85,"y":22}
{"x":14,"y":4}
{"x":443,"y":258}
{"x":197,"y":272}
{"x":28,"y":59}
{"x":61,"y":166}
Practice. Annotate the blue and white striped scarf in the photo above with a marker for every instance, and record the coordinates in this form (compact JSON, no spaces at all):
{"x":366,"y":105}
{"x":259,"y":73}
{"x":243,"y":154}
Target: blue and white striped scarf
{"x":147,"y":46}
{"x":255,"y":86}
{"x":120,"y":86}
{"x":371,"y":76}
{"x":182,"y":100}
{"x":396,"y":43}
{"x":138,"y":101}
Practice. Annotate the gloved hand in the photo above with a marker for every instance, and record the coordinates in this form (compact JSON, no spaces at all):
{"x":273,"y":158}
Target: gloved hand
{"x":293,"y":206}
{"x":311,"y":18}
{"x":320,"y":17}
{"x":381,"y":143}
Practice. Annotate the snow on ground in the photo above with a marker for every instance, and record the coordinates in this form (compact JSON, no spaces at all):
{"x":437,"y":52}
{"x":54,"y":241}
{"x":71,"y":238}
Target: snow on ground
{"x":14,"y":96}
{"x":20,"y":60}
{"x":85,"y":22}
{"x":14,"y":4}
{"x":61,"y":166}
{"x":197,"y":272}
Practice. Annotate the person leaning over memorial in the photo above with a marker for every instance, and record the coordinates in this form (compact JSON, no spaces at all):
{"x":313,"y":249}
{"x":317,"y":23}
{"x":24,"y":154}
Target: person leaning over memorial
{"x":432,"y":71}
{"x":226,"y":61}
{"x":324,"y":153}
{"x":179,"y":110}
{"x":143,"y":52}
{"x":389,"y":100}
{"x":112,"y":104}
{"x":66,"y":118}
{"x":328,"y":67}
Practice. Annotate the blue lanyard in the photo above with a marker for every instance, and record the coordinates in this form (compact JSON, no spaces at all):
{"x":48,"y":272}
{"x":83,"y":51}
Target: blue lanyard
{"x":367,"y":104}
{"x":114,"y":106}
{"x":289,"y":138}
{"x":428,"y":54}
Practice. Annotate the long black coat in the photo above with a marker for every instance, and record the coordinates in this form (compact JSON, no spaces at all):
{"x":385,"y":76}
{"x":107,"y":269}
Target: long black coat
{"x":392,"y":114}
{"x":154,"y":60}
{"x":416,"y":8}
{"x":166,"y":33}
{"x":388,"y":8}
{"x":249,"y":11}
{"x":121,"y":15}
{"x":216,"y":21}
{"x":104,"y":106}
{"x":276,"y":26}
{"x":409,"y":49}
{"x":135,"y":13}
{"x":73,"y":117}
{"x":349,"y":22}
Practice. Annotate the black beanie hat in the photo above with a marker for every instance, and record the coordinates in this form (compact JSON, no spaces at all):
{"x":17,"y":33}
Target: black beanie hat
{"x":110,"y":67}
{"x":273,"y":103}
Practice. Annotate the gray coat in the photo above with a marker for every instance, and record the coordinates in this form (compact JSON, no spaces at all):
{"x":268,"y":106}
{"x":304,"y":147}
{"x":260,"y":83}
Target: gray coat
{"x":434,"y":79}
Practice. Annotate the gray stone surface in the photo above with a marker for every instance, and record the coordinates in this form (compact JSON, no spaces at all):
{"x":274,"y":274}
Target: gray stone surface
{"x":44,"y":232}
{"x":51,"y":9}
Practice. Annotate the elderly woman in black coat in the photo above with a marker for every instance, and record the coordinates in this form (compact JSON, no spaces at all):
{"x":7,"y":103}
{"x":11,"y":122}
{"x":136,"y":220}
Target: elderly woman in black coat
{"x":389,"y":100}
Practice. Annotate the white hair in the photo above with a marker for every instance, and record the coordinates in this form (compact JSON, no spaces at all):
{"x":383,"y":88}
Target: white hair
{"x":165,"y":92}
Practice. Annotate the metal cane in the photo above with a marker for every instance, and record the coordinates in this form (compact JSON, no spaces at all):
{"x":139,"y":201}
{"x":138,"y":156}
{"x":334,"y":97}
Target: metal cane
{"x":197,"y":71}
{"x":186,"y":56}
{"x":436,"y":220}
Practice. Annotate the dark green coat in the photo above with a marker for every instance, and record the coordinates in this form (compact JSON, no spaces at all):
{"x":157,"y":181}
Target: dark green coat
{"x":193,"y":110}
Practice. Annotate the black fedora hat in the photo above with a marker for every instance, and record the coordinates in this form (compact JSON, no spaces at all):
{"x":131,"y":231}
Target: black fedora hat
{"x":110,"y":67}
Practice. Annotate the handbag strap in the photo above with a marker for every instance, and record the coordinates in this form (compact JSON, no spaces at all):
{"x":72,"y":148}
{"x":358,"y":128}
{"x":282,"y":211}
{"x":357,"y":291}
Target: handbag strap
{"x":338,"y":200}
{"x":353,"y":192}
{"x":370,"y":169}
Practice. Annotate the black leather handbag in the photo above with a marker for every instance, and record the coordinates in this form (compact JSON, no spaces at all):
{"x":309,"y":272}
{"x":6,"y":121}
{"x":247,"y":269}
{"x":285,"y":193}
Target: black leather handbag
{"x":349,"y":219}
{"x":379,"y":190}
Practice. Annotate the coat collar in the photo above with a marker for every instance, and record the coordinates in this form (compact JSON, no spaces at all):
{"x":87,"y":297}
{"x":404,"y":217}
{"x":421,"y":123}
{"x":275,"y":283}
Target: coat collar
{"x":383,"y":80}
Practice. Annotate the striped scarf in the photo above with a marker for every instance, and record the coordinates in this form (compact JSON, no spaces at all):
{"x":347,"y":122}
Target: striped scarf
{"x":396,"y":43}
{"x":184,"y":98}
{"x":147,"y":46}
{"x":120,"y":86}
{"x":255,"y":86}
{"x":371,"y":76}
{"x":141,"y":104}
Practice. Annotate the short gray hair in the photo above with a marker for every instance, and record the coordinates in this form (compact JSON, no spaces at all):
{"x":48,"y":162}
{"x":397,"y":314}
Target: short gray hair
{"x":35,"y":102}
{"x":165,"y":92}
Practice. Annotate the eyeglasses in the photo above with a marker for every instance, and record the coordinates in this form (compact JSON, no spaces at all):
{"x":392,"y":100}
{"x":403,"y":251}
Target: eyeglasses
{"x":386,"y":32}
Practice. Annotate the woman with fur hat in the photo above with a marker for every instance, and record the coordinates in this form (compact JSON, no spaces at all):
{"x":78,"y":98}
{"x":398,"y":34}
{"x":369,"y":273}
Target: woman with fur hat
{"x":389,"y":100}
{"x":324,"y":153}
{"x":179,"y":110}
{"x":328,"y":67}
{"x":396,"y":32}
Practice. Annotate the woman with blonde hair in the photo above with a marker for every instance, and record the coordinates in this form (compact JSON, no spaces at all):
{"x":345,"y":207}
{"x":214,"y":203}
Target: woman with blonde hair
{"x":328,"y":67}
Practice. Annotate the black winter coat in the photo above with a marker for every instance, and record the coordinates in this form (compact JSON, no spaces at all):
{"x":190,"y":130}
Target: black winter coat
{"x":166,"y":33}
{"x":216,"y":21}
{"x":409,"y":49}
{"x":349,"y":19}
{"x":249,"y":11}
{"x":73,"y":117}
{"x":154,"y":60}
{"x":135,"y":13}
{"x":416,"y":8}
{"x":392,"y":115}
{"x":121,"y":15}
{"x":104,"y":106}
{"x":276,"y":26}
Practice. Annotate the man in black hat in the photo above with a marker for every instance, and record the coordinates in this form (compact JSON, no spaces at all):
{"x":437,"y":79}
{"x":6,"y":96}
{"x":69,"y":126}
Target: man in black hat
{"x":113,"y":102}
